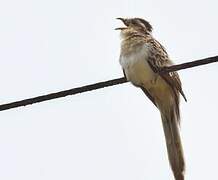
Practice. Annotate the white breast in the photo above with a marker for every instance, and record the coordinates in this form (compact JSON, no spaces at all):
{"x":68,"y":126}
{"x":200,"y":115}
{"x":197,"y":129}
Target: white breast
{"x":136,"y":67}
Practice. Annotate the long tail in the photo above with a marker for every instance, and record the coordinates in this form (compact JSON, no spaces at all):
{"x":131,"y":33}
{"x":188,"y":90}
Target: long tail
{"x":170,"y":122}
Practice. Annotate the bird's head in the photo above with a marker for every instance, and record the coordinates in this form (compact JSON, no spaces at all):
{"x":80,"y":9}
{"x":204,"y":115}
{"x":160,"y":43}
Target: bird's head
{"x":135,"y":24}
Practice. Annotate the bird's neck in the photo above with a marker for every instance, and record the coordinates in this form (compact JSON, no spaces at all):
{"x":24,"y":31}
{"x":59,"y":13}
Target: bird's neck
{"x":133,"y":41}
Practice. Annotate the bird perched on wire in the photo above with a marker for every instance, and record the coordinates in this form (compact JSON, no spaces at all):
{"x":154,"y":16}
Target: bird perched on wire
{"x":141,"y":57}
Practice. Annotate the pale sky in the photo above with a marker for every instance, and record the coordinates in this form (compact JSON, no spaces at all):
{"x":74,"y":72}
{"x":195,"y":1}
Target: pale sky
{"x":113,"y":133}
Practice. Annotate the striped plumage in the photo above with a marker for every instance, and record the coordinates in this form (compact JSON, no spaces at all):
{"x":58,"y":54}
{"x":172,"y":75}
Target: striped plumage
{"x":141,"y":56}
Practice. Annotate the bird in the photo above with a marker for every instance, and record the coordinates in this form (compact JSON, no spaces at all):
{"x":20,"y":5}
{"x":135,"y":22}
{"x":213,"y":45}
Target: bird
{"x":141,"y":58}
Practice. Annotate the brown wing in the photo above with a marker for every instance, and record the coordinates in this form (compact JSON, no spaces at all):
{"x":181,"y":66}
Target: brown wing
{"x":158,"y":58}
{"x":173,"y":80}
{"x":148,"y":95}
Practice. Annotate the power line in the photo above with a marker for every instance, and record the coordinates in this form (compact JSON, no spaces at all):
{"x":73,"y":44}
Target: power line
{"x":189,"y":64}
{"x":62,"y":94}
{"x":102,"y":84}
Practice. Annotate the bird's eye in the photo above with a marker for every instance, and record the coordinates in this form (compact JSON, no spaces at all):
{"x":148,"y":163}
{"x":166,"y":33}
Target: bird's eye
{"x":134,"y":23}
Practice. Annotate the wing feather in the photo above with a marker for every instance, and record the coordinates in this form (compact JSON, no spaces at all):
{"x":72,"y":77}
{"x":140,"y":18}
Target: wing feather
{"x":158,"y":58}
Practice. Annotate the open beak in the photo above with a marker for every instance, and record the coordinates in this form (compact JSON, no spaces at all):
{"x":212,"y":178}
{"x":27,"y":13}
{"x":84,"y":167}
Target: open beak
{"x":122,"y":19}
{"x":121,"y":28}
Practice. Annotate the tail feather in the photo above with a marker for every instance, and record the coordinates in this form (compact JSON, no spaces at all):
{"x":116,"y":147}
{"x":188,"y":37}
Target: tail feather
{"x":174,"y":147}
